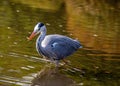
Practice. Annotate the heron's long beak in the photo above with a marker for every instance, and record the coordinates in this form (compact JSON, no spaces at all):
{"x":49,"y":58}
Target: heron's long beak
{"x":32,"y":36}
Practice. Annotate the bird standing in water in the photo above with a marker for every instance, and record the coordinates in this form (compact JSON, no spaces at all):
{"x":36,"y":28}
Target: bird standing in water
{"x":54,"y":47}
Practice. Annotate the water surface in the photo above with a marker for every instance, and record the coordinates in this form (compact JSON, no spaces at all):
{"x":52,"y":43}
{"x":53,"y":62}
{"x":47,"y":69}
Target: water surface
{"x":95,"y":23}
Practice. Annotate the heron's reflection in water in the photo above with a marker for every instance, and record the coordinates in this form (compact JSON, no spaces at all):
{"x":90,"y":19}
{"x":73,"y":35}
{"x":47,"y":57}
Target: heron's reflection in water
{"x":51,"y":77}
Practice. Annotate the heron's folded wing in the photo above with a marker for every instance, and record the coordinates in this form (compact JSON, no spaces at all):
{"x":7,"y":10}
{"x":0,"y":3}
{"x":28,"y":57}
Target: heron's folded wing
{"x":63,"y":49}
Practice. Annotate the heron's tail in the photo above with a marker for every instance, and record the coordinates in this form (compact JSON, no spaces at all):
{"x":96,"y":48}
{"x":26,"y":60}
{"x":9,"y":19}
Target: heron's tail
{"x":81,"y":46}
{"x":78,"y":44}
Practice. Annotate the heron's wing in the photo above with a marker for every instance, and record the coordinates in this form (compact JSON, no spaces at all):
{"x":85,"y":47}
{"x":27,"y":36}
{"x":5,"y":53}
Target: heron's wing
{"x":59,"y":46}
{"x":64,"y":48}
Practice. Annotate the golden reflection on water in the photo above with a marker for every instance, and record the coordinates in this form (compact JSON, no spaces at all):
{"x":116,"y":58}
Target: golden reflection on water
{"x":96,"y":27}
{"x":42,"y":4}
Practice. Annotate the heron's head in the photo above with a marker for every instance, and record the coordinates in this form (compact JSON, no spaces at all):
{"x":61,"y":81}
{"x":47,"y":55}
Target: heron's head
{"x":40,"y":27}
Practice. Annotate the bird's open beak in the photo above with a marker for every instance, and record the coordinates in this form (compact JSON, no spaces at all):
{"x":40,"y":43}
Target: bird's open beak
{"x":31,"y":36}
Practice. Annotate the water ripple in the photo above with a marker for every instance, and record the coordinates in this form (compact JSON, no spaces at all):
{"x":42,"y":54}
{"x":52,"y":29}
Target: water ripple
{"x":24,"y":81}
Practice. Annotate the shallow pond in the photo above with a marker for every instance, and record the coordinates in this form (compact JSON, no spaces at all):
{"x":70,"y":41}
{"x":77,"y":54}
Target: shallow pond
{"x":95,"y":23}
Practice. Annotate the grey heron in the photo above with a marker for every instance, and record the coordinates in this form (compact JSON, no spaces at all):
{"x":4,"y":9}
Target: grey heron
{"x":54,"y":47}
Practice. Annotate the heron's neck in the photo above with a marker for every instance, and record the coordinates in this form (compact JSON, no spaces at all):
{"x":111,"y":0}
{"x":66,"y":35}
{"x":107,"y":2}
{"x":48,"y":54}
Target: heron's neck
{"x":41,"y":36}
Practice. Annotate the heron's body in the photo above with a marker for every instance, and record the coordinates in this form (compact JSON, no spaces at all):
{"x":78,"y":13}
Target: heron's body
{"x":55,"y":47}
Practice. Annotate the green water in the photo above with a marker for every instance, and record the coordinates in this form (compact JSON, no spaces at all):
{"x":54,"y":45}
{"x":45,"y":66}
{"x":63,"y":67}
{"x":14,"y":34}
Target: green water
{"x":95,"y":23}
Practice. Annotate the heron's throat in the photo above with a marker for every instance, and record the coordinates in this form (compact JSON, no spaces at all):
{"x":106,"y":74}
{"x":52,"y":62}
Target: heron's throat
{"x":41,"y":37}
{"x":39,"y":41}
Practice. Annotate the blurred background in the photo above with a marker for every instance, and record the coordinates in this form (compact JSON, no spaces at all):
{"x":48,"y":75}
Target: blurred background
{"x":95,"y":23}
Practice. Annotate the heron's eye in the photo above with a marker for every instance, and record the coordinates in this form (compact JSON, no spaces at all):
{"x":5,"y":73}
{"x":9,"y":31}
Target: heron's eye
{"x":38,"y":26}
